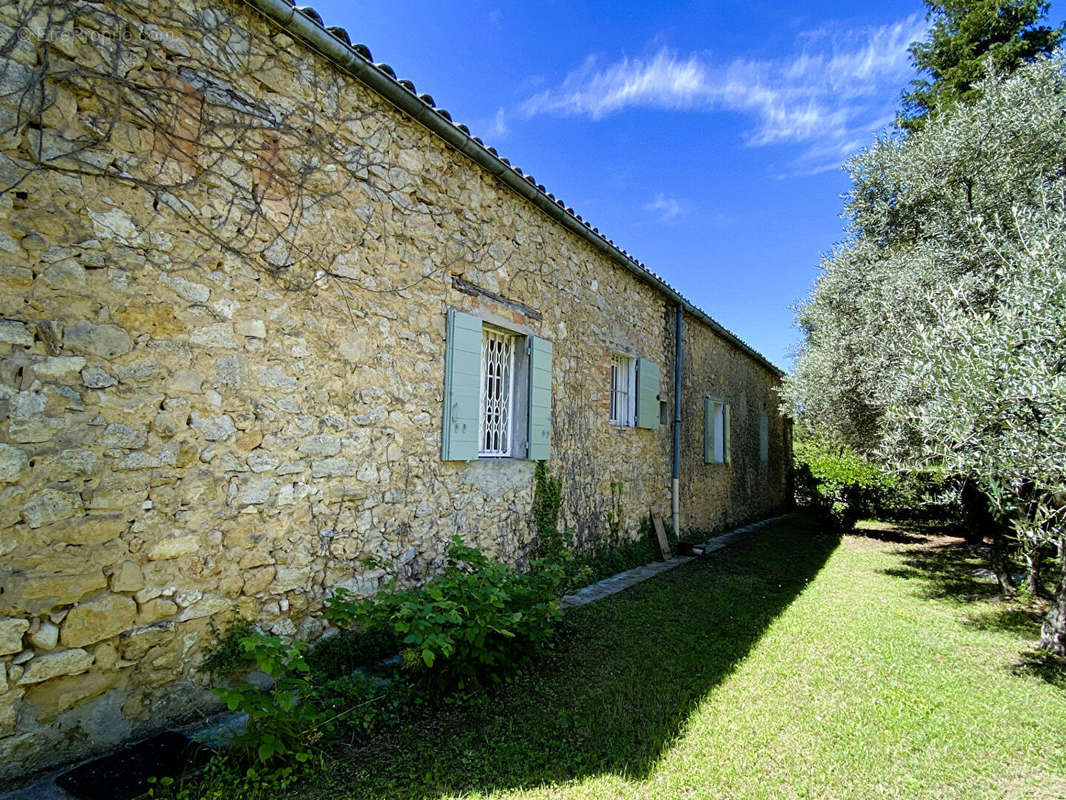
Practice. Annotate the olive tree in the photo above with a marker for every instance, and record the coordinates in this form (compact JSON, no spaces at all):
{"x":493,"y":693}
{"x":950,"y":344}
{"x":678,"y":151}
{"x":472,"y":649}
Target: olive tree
{"x":936,"y":333}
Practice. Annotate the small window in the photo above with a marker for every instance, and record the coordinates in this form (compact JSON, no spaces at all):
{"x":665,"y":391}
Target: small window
{"x":764,"y":438}
{"x":715,"y":431}
{"x":623,"y":390}
{"x":495,"y":421}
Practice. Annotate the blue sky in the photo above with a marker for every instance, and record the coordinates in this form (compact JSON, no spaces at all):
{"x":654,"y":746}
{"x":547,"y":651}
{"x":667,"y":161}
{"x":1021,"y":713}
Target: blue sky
{"x":706,"y":138}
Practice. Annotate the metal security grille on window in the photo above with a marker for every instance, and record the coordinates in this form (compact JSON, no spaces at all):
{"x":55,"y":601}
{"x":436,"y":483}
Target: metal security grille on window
{"x":497,"y":392}
{"x":619,"y":390}
{"x":621,"y":396}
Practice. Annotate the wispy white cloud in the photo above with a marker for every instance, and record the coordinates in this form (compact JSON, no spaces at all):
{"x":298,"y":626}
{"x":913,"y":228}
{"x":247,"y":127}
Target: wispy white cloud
{"x":499,"y":127}
{"x":665,"y":208}
{"x":829,"y":95}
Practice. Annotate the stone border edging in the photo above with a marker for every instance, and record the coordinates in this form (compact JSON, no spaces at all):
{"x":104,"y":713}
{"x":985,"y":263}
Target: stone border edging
{"x":631,"y":577}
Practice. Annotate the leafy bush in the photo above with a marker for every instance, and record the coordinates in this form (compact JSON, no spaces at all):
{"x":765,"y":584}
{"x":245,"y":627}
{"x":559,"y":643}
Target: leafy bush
{"x":299,"y":708}
{"x":839,"y":483}
{"x":470,"y":625}
{"x":280,"y":718}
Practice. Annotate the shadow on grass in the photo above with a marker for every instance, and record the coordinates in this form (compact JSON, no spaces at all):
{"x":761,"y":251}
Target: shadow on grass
{"x":1042,"y":665}
{"x":949,"y":569}
{"x":613,"y":694}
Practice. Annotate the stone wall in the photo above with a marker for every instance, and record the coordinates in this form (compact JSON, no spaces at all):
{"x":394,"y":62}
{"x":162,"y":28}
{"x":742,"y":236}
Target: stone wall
{"x":192,"y":429}
{"x":719,"y":495}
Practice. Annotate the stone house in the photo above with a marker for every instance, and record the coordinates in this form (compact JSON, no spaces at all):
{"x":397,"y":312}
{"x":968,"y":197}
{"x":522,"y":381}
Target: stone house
{"x":267,"y":312}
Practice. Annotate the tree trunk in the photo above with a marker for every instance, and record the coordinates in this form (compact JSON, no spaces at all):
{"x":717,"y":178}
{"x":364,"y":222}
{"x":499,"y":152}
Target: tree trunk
{"x":1033,"y":561}
{"x":1053,"y":634}
{"x":1000,"y":562}
{"x":979,"y":521}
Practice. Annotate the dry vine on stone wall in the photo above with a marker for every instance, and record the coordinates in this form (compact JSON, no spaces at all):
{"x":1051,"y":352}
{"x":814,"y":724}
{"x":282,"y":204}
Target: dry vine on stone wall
{"x":94,"y":92}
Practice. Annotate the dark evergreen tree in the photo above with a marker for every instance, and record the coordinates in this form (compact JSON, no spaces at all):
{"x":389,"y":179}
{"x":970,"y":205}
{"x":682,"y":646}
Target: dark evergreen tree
{"x":965,"y":37}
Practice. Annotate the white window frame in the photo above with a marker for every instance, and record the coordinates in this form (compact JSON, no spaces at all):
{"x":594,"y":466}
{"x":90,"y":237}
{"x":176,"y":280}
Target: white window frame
{"x":496,"y":409}
{"x":718,"y":428}
{"x":623,"y":389}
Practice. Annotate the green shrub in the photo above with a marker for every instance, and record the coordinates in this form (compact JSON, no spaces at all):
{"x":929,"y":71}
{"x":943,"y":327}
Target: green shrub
{"x":282,"y":722}
{"x":469,"y":625}
{"x":300,"y":708}
{"x":840,"y":483}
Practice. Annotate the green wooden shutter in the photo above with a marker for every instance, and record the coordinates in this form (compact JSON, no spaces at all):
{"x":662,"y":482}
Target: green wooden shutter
{"x":540,"y":398}
{"x":647,"y":394}
{"x":462,"y":387}
{"x":708,"y":430}
{"x":764,"y":438}
{"x":727,"y":423}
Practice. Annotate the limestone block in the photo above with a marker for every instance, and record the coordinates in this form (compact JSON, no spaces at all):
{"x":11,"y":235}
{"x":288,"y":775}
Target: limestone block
{"x":53,"y":665}
{"x":257,"y":580}
{"x":331,"y":467}
{"x":15,"y":333}
{"x":10,"y":509}
{"x":12,"y":277}
{"x":320,"y":445}
{"x":127,"y":577}
{"x":11,"y":631}
{"x":274,"y":379}
{"x":61,"y":368}
{"x":106,"y":341}
{"x":13,"y":463}
{"x":135,"y":644}
{"x":256,"y":491}
{"x":50,"y":505}
{"x":249,"y":440}
{"x":156,"y":609}
{"x":46,"y":637}
{"x":56,"y":696}
{"x":86,"y":530}
{"x":193,"y":292}
{"x":105,"y":656}
{"x":290,"y":578}
{"x":116,"y":224}
{"x":98,"y":619}
{"x":184,"y":381}
{"x":37,"y":592}
{"x":9,"y":706}
{"x":211,"y":604}
{"x":96,"y":378}
{"x":68,"y":464}
{"x":219,"y":335}
{"x":118,"y":434}
{"x":212,"y":428}
{"x":254,"y":328}
{"x":138,"y":460}
{"x":174,"y":547}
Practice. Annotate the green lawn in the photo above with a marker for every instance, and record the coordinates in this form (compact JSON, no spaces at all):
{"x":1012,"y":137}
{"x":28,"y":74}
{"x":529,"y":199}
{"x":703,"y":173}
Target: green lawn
{"x":792,"y":664}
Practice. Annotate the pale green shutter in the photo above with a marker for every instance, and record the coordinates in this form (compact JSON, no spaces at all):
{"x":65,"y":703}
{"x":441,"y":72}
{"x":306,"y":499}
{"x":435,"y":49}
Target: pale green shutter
{"x":462,"y":387}
{"x":647,"y":394}
{"x":708,"y":430}
{"x":540,"y":398}
{"x":764,"y":438}
{"x":727,"y":423}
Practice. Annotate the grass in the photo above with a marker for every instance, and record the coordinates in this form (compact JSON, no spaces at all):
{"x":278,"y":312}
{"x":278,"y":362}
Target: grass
{"x":791,"y":664}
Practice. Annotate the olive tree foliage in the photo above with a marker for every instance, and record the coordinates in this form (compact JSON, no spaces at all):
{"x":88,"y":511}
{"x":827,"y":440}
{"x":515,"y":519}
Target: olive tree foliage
{"x":936,"y":333}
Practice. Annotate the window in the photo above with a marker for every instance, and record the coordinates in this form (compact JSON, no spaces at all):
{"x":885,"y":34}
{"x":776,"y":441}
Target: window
{"x":716,"y":417}
{"x":764,"y":438}
{"x":623,"y":394}
{"x":497,"y":392}
{"x":495,"y":419}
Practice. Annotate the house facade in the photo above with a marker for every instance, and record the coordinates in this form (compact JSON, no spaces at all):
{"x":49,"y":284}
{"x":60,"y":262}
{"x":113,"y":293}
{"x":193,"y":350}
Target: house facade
{"x":267,"y":313}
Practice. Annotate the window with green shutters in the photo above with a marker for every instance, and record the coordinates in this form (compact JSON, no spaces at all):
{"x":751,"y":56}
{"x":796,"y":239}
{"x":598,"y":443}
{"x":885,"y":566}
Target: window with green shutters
{"x":764,"y":438}
{"x":497,"y":392}
{"x":716,"y":424}
{"x":647,"y":394}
